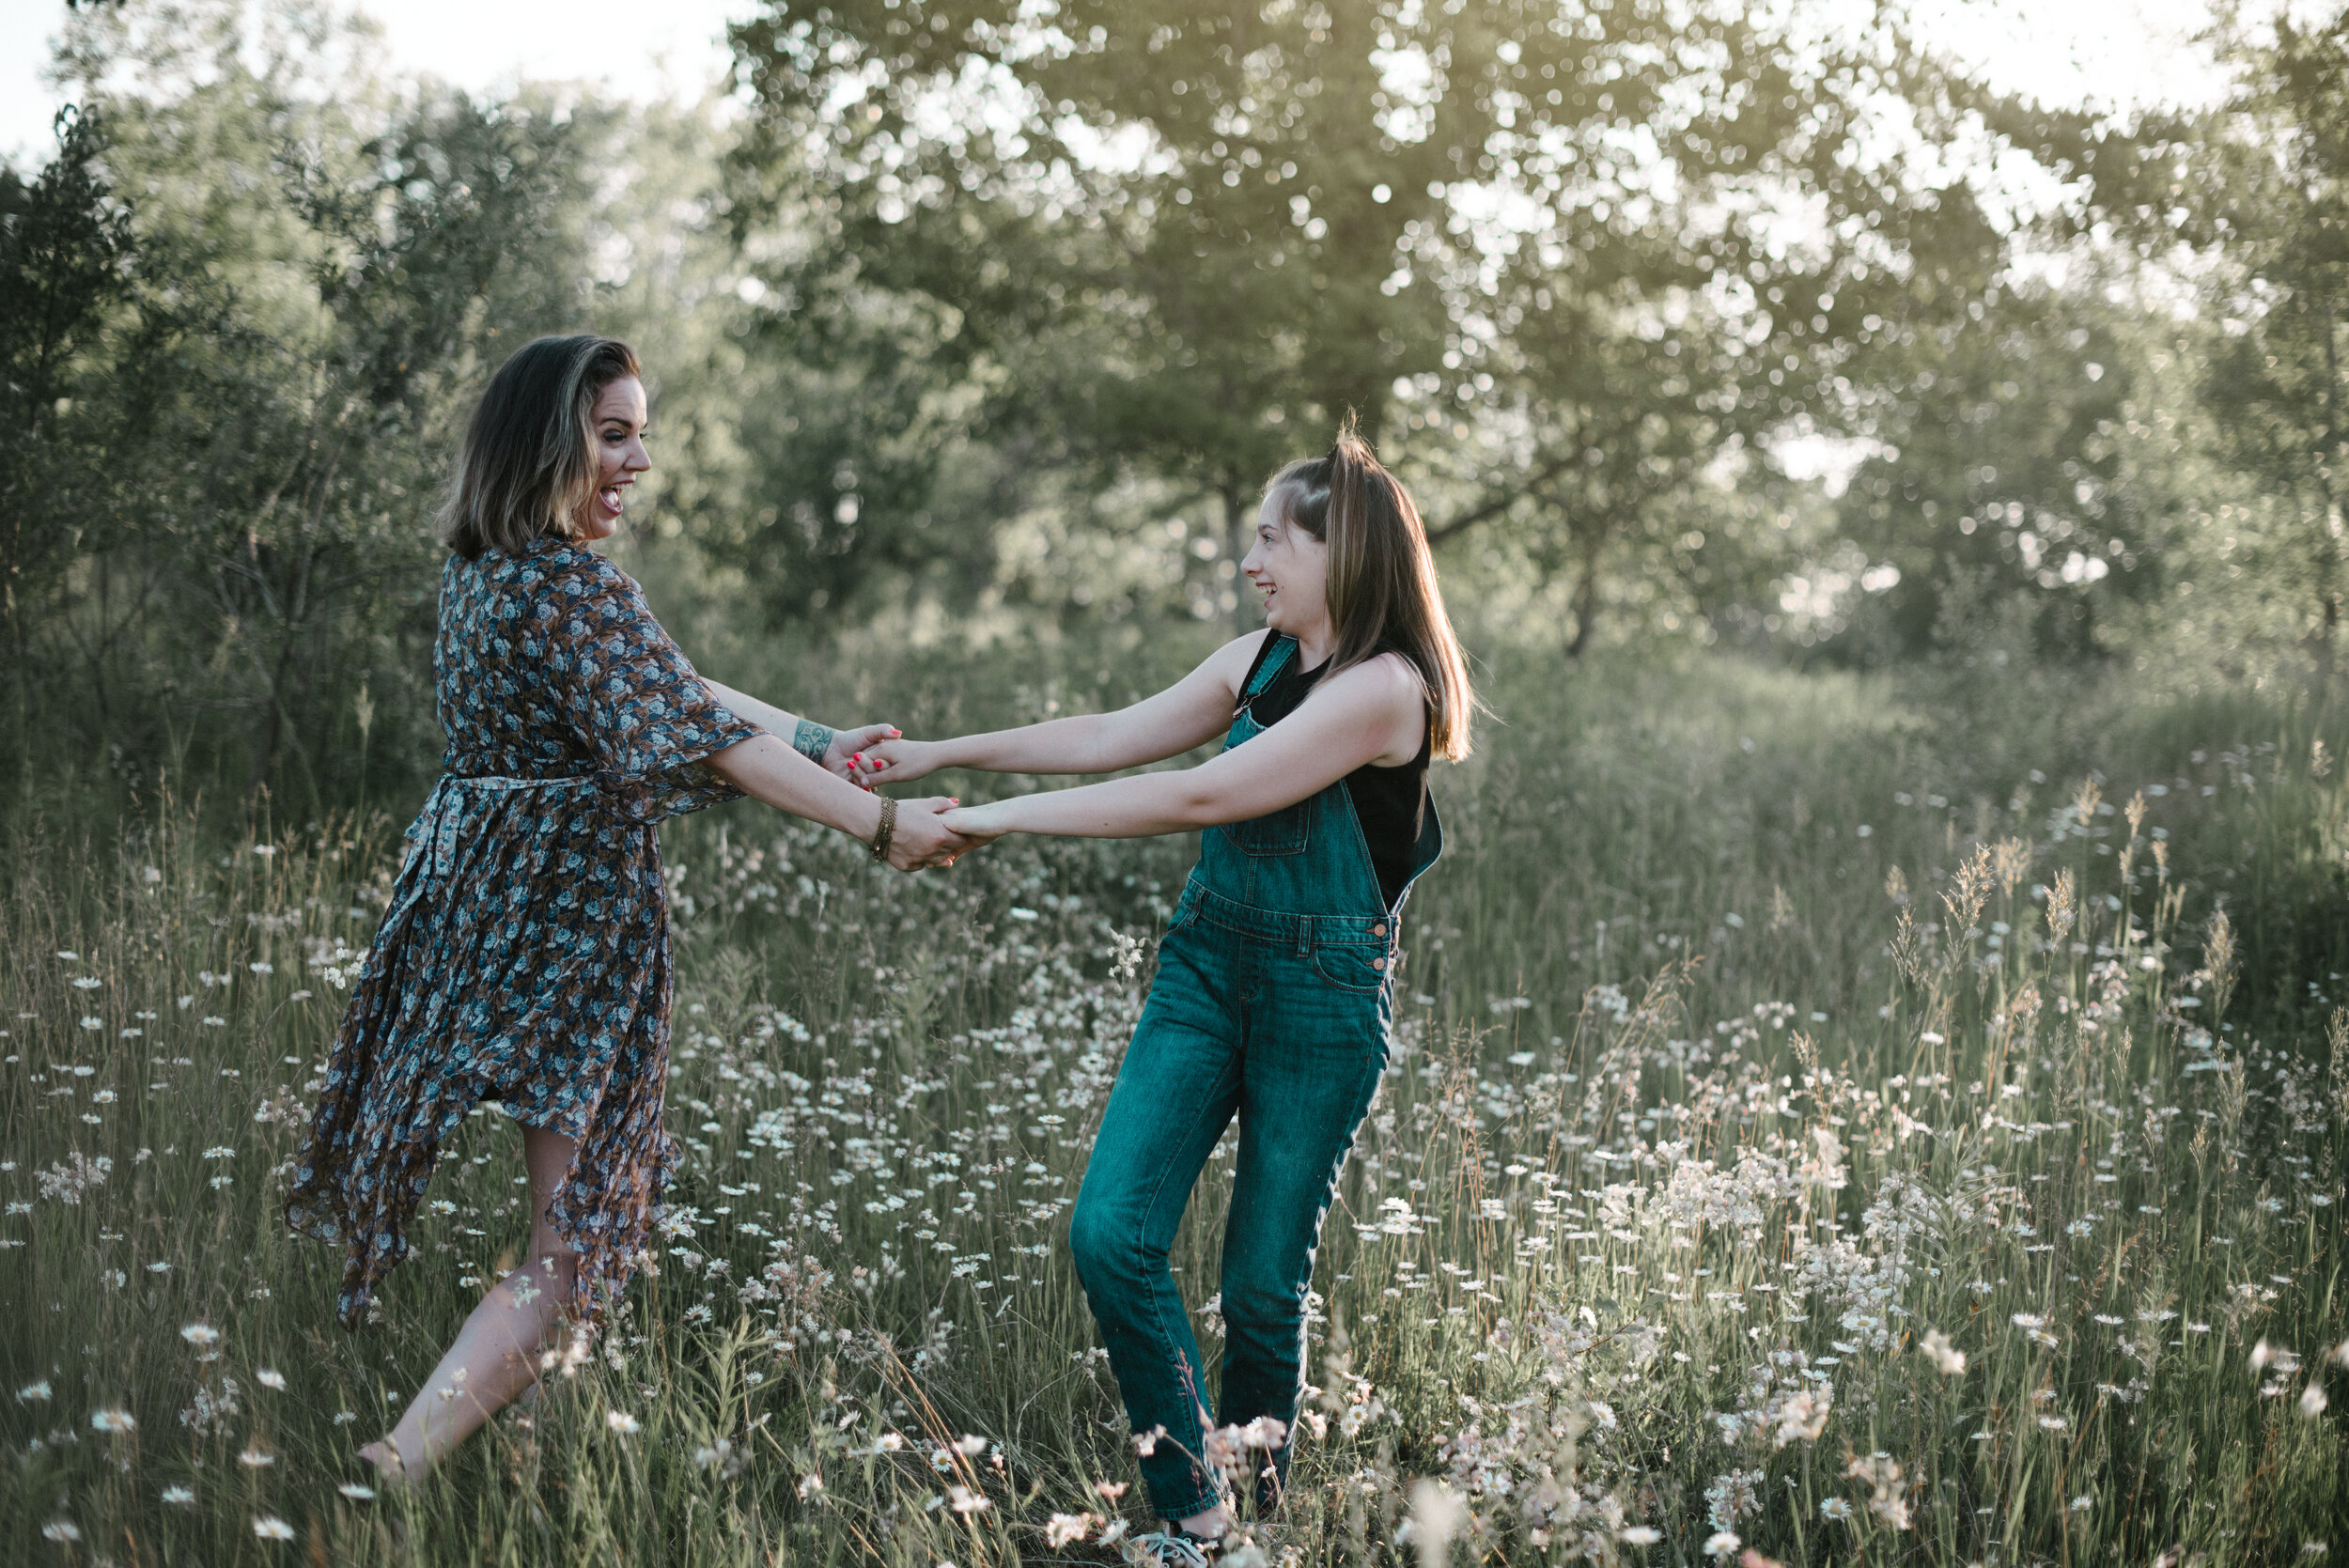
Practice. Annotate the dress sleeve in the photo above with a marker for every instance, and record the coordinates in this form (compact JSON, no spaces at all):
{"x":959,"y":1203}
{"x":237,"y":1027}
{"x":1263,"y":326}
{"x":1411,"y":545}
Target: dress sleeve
{"x":632,"y":699}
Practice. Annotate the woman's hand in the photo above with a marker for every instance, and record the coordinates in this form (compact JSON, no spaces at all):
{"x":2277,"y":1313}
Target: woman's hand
{"x":852,"y":751}
{"x":923,"y":839}
{"x":893,"y":759}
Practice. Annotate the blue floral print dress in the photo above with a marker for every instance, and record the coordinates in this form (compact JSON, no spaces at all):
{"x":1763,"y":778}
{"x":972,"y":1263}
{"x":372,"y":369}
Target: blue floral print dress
{"x":524,"y":954}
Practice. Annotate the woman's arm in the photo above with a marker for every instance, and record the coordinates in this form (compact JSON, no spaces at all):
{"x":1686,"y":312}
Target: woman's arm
{"x":839,"y":759}
{"x":767,"y":770}
{"x":1191,"y":712}
{"x":1373,"y":712}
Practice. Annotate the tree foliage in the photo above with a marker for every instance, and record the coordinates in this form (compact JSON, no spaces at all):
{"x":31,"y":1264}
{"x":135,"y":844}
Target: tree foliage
{"x":1584,"y":249}
{"x":243,"y":386}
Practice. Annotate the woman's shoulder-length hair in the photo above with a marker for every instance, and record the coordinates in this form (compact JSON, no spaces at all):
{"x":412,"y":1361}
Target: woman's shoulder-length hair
{"x":529,"y":462}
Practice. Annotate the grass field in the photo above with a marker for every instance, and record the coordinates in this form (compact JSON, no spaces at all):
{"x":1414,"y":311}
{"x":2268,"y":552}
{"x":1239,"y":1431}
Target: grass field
{"x":1850,"y":1119}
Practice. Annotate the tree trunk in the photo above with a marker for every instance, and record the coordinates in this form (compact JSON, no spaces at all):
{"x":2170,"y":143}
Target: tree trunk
{"x":1586,"y":606}
{"x":2328,"y":549}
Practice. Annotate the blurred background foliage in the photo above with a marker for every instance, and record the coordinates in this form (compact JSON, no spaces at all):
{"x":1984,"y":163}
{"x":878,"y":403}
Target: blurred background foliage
{"x":1694,"y":326}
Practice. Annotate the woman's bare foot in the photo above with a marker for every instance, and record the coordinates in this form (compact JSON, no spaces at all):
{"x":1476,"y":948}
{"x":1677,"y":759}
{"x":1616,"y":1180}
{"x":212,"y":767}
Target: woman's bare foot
{"x":1213,"y":1525}
{"x":390,"y":1469}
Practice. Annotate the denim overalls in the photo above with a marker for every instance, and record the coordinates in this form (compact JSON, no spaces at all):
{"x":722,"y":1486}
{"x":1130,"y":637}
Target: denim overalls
{"x":1273,"y":996}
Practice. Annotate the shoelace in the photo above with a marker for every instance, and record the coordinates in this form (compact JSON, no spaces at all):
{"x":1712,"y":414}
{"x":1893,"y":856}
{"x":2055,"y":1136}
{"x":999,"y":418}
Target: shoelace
{"x":1166,"y":1550}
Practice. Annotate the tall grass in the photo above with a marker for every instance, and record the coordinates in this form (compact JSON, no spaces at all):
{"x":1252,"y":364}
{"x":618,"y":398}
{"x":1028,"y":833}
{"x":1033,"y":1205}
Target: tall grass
{"x":1707,"y":1110}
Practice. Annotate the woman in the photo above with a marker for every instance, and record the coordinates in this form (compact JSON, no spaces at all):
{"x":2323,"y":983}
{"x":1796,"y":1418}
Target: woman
{"x":1275,"y":982}
{"x":524,"y":957}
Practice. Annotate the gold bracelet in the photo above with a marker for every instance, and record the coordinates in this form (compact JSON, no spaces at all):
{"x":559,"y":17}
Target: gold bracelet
{"x":888,"y":829}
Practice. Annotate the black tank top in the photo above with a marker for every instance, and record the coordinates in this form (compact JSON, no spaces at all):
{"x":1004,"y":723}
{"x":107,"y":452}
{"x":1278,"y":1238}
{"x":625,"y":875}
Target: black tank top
{"x":1391,"y":802}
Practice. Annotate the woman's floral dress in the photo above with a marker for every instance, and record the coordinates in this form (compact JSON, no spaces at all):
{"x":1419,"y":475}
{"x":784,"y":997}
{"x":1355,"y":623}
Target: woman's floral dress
{"x":524,"y":957}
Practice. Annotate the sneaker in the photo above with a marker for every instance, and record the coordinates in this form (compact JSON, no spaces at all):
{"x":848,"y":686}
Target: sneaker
{"x":1168,"y":1548}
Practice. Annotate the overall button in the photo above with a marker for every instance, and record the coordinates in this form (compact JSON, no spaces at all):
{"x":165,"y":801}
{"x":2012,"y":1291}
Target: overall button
{"x":1380,"y":929}
{"x":1378,"y":963}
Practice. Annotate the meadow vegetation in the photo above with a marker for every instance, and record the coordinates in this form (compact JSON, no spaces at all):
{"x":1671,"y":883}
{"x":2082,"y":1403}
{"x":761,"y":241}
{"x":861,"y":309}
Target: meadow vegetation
{"x":1870,"y":1077}
{"x":1830,"y":1116}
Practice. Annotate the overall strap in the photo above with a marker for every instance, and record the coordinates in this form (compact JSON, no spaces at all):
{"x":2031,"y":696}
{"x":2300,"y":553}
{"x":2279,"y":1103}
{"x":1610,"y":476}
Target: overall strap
{"x":1270,"y":660}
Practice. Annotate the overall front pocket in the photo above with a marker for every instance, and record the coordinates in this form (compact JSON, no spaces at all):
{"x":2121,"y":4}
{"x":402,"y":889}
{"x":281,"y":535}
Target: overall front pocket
{"x":1285,"y":831}
{"x":1352,"y":967}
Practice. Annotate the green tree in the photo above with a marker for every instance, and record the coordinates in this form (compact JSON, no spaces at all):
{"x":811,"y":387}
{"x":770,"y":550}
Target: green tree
{"x":1193,"y":239}
{"x":64,"y":241}
{"x":312,"y":279}
{"x":2002,"y":478}
{"x":2268,"y":191}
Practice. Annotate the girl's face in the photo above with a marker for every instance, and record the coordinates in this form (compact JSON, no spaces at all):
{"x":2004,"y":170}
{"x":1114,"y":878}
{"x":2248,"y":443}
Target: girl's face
{"x":1291,"y":569}
{"x":617,"y":427}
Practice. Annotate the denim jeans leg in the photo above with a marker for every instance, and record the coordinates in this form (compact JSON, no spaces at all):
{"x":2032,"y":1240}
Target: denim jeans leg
{"x":1314,"y":1056}
{"x":1175,"y":1092}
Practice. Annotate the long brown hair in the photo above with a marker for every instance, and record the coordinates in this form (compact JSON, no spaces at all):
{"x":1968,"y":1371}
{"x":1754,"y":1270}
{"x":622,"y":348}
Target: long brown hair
{"x":1383,"y":596}
{"x":529,"y":463}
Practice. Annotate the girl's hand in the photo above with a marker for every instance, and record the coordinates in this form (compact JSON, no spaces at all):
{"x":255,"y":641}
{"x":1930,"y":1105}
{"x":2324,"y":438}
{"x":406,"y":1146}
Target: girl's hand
{"x":977,"y":823}
{"x":893,"y":759}
{"x":849,"y":749}
{"x":921,"y":839}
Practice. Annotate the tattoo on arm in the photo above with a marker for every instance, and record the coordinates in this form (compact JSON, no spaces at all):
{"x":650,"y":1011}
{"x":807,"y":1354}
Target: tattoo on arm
{"x":812,"y":740}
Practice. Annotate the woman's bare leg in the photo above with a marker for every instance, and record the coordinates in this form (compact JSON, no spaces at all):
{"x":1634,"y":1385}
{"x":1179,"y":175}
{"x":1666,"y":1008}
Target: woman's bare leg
{"x":495,"y":1354}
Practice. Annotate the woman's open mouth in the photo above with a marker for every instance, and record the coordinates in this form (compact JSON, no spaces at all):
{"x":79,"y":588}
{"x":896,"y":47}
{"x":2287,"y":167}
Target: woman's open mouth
{"x":610,"y":496}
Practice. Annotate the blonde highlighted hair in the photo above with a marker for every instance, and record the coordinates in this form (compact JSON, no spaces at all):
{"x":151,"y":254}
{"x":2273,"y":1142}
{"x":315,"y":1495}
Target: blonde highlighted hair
{"x":1383,"y":596}
{"x":529,"y":464}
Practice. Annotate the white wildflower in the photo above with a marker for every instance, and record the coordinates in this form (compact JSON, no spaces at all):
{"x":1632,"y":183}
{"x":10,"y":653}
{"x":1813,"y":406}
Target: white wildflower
{"x":1437,"y":1516}
{"x":1733,"y":1495}
{"x":1804,"y":1416}
{"x":69,"y":1178}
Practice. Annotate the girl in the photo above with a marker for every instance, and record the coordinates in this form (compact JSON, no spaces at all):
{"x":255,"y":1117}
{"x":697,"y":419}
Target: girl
{"x":1275,"y":981}
{"x":524,"y":956}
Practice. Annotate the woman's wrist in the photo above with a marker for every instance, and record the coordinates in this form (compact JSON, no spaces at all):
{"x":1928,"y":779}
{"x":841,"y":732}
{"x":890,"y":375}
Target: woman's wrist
{"x":813,"y":740}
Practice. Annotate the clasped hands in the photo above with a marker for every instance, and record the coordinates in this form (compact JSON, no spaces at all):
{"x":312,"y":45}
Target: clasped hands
{"x":879,"y":753}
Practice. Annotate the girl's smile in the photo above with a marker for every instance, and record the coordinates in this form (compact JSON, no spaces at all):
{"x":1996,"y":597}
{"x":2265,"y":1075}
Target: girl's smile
{"x":1290,"y":569}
